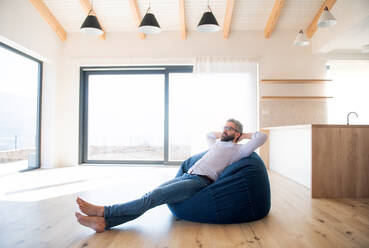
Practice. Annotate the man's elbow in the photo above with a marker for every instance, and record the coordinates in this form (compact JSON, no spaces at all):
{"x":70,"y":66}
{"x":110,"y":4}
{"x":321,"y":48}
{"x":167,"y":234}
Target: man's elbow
{"x":263,"y":137}
{"x":211,"y":135}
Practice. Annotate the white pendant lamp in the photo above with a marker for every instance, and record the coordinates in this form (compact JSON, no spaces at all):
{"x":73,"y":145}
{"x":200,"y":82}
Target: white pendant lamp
{"x":301,"y":39}
{"x":149,"y":24}
{"x":91,"y":24}
{"x":208,"y":23}
{"x":327,"y":19}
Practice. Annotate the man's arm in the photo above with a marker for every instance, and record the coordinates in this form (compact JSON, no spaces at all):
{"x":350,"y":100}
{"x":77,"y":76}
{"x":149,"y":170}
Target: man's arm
{"x":256,"y":139}
{"x":246,"y":136}
{"x":217,"y":135}
{"x":212,"y":137}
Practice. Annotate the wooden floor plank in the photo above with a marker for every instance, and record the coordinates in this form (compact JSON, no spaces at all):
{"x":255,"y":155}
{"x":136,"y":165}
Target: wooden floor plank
{"x":295,"y":219}
{"x":337,"y":229}
{"x":252,"y":240}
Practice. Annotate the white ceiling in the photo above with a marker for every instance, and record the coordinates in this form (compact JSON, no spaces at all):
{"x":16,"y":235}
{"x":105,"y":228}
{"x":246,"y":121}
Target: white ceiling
{"x":354,"y":38}
{"x":352,"y":31}
{"x":116,"y":15}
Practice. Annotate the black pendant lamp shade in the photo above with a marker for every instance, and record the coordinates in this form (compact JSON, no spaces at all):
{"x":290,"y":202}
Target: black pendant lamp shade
{"x":149,"y":24}
{"x":208,"y":23}
{"x":91,"y":26}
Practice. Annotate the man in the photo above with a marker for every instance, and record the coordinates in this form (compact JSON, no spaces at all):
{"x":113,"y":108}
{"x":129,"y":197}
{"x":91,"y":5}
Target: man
{"x":204,"y":172}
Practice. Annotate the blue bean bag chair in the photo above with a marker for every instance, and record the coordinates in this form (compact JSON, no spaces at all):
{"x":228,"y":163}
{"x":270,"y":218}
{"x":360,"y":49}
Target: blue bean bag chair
{"x":240,"y":194}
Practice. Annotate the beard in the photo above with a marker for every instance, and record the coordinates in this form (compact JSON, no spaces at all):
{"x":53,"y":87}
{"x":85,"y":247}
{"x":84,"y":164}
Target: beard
{"x":226,"y":137}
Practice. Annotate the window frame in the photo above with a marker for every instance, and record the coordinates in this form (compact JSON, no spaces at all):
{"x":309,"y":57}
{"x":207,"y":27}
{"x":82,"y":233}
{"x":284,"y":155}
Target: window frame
{"x":85,"y":71}
{"x":39,"y":102}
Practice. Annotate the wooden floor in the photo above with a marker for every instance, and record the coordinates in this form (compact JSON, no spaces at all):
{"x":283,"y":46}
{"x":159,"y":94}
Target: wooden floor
{"x":37,"y":210}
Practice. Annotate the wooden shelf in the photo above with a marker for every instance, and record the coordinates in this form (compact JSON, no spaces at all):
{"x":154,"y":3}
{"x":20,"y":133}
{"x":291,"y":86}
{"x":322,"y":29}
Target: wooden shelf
{"x":296,"y":97}
{"x":294,"y":81}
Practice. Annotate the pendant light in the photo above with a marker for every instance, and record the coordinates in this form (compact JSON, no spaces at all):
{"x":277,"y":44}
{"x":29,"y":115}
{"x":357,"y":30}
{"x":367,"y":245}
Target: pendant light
{"x":326,"y":19}
{"x":208,"y":23}
{"x":149,"y":24}
{"x":301,"y":39}
{"x":91,"y":24}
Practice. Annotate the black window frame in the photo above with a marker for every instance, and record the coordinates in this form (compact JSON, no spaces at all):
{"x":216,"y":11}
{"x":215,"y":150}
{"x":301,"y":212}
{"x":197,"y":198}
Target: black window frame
{"x":39,"y":102}
{"x":116,"y":70}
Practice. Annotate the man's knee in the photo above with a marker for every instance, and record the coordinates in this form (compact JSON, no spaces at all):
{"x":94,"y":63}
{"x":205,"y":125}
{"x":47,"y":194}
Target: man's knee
{"x":153,"y":197}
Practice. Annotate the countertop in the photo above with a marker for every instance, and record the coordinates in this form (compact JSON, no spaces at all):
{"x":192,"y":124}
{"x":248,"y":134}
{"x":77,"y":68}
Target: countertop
{"x":316,"y":125}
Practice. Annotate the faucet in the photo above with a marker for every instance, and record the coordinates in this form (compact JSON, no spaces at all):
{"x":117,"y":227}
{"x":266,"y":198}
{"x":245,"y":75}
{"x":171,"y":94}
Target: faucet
{"x":348,"y":117}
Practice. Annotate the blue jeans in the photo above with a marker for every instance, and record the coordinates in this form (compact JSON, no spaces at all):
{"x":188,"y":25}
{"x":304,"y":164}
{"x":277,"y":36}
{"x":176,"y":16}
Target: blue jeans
{"x":172,"y":191}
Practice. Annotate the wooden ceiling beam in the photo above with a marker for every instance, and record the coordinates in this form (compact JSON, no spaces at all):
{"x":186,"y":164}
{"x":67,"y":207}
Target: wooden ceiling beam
{"x":228,"y":19}
{"x":273,"y":18}
{"x":136,"y":15}
{"x":46,"y":14}
{"x":182,"y":19}
{"x":314,"y":23}
{"x":86,"y":5}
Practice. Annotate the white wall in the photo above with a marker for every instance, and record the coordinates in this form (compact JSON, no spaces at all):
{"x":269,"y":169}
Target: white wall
{"x":23,"y":28}
{"x":277,"y":56}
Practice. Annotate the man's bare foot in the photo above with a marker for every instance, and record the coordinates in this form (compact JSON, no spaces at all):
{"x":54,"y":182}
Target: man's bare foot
{"x":90,"y":209}
{"x":96,"y":223}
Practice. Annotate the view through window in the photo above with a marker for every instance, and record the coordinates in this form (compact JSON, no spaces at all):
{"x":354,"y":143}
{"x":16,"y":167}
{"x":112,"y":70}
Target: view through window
{"x":163,"y":117}
{"x":125,"y":118}
{"x":19,"y":92}
{"x":201,"y":104}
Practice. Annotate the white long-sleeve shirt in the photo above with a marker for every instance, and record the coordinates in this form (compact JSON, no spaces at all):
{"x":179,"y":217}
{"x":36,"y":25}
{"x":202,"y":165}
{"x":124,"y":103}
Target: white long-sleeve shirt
{"x":223,"y":153}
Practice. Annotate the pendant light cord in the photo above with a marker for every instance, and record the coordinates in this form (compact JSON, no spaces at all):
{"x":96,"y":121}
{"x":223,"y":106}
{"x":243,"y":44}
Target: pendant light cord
{"x":325,"y":3}
{"x":148,"y":9}
{"x":209,"y":6}
{"x":92,"y":7}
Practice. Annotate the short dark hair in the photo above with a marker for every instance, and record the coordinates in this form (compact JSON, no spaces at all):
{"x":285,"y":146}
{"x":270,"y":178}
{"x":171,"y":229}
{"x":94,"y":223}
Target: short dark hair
{"x":239,"y":126}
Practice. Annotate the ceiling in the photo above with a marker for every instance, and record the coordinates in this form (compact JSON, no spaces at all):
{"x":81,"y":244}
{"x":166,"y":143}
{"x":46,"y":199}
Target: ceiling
{"x":354,"y":38}
{"x":116,"y":15}
{"x":351,"y":32}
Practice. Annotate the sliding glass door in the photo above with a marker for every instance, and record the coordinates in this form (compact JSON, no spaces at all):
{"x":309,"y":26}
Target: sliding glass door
{"x":158,"y":114}
{"x":124,"y":114}
{"x":20,"y":94}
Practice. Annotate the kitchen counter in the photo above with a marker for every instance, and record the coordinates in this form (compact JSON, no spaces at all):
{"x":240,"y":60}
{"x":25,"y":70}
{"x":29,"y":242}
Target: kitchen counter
{"x":332,"y":160}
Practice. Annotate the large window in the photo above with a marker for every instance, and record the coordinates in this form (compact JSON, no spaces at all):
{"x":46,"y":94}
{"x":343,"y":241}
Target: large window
{"x":158,"y":114}
{"x":125,"y":117}
{"x":124,"y":114}
{"x":200,"y":104}
{"x":20,"y":94}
